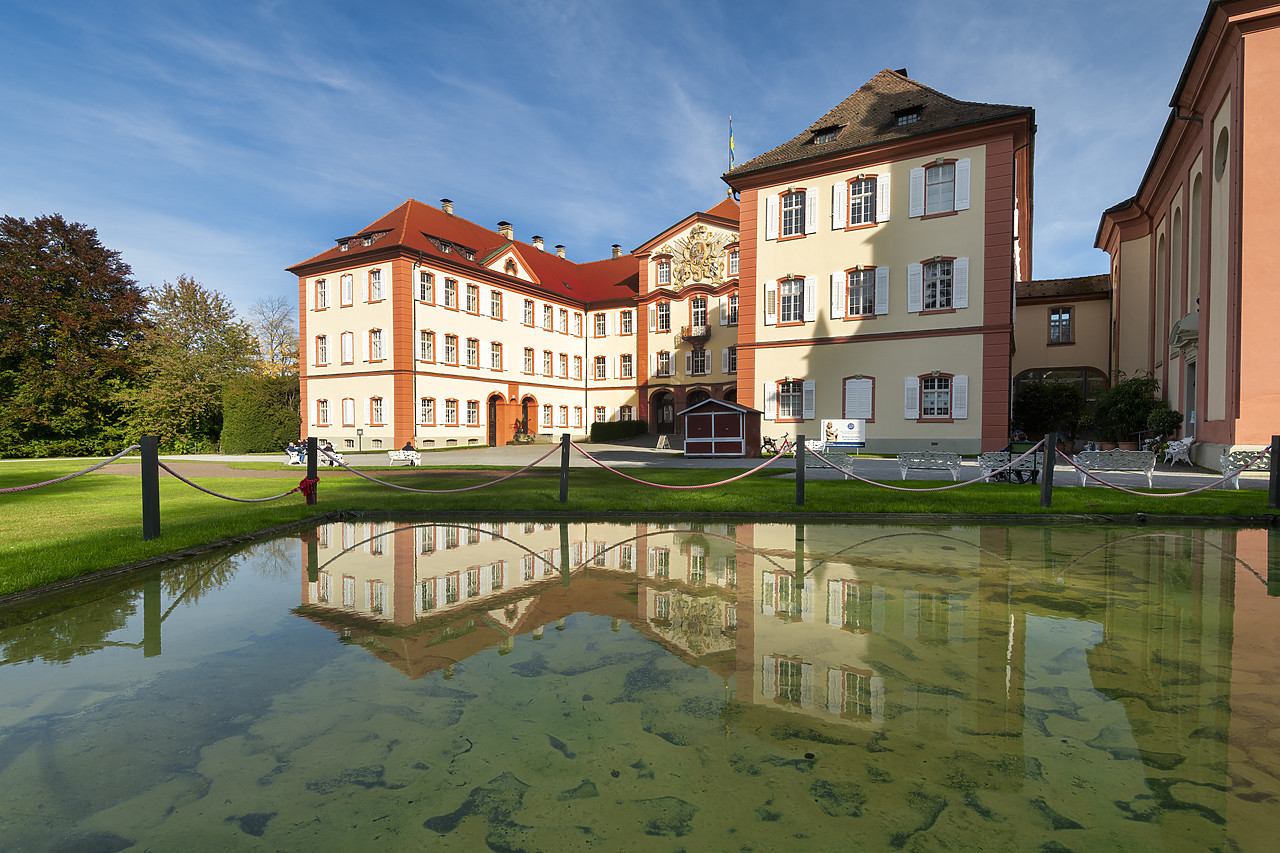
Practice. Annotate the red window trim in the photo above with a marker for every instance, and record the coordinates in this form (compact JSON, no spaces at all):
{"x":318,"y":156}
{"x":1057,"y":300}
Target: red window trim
{"x":458,"y":421}
{"x":372,"y":422}
{"x":804,"y":214}
{"x":432,"y":422}
{"x":920,"y":398}
{"x":846,"y":415}
{"x":325,"y":422}
{"x":344,"y":410}
{"x":432,"y":335}
{"x":777,"y":398}
{"x":875,"y":203}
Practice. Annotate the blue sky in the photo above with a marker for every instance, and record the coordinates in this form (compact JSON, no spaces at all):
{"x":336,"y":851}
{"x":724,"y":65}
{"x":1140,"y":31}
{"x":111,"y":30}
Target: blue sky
{"x":229,"y":140}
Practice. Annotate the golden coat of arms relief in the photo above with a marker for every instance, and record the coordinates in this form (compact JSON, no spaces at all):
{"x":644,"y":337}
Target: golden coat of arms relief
{"x":698,"y":257}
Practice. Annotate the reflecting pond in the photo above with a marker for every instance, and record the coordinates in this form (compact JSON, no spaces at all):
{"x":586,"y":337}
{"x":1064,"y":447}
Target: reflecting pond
{"x":572,"y":686}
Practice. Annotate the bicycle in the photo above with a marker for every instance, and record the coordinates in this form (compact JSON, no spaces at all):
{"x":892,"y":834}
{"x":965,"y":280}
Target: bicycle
{"x":769,"y":448}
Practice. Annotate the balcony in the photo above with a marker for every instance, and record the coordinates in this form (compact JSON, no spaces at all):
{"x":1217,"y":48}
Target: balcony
{"x":695,"y":334}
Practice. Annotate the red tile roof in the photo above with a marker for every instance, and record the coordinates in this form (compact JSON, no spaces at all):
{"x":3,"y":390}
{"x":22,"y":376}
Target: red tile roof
{"x":727,"y":209}
{"x":870,"y":116}
{"x":413,"y":225}
{"x":1063,"y":287}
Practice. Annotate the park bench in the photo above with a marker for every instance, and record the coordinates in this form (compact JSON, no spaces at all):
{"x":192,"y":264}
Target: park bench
{"x":1179,"y":450}
{"x":840,"y":458}
{"x":1141,"y":461}
{"x":409,"y":457}
{"x":295,"y":457}
{"x":1026,"y":471}
{"x":1233,"y":464}
{"x":330,"y":457}
{"x":929,"y":460}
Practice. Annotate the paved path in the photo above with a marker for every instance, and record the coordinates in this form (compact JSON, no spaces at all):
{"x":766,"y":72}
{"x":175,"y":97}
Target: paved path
{"x":640,"y":453}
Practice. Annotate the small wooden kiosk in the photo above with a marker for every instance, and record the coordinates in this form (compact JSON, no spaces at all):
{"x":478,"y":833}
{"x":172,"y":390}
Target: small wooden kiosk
{"x":718,"y":428}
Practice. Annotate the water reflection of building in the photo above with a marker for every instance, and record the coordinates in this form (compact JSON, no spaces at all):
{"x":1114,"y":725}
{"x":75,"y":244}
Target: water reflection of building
{"x":1110,"y":655}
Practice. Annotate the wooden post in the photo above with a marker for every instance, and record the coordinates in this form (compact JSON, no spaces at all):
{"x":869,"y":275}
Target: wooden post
{"x":564,"y":468}
{"x":152,"y":615}
{"x":799,"y":470}
{"x":1046,"y":471}
{"x":313,"y":558}
{"x":1273,"y":487}
{"x":312,"y":451}
{"x":150,"y":487}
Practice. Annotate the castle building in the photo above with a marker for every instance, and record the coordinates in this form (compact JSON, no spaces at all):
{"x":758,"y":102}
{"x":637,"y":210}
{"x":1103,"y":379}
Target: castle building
{"x":879,"y":252}
{"x":868,"y":273}
{"x":1192,"y":298}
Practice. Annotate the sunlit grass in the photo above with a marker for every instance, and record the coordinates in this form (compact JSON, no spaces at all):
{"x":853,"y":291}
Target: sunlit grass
{"x":94,"y":522}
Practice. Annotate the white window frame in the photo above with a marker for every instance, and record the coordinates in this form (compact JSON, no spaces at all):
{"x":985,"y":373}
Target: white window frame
{"x":426,"y":287}
{"x":375,"y":285}
{"x":426,"y":345}
{"x":427,"y":411}
{"x":664,"y":317}
{"x":321,"y":294}
{"x":791,"y":212}
{"x":450,"y":412}
{"x":450,"y":349}
{"x":451,"y":293}
{"x":322,"y":350}
{"x":375,"y":345}
{"x":601,"y":370}
{"x":495,"y":355}
{"x":626,"y":323}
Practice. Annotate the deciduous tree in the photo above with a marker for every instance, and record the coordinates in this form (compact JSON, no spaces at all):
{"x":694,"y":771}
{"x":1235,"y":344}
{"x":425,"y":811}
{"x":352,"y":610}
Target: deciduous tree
{"x":193,"y":345}
{"x":70,"y":317}
{"x":274,"y":322}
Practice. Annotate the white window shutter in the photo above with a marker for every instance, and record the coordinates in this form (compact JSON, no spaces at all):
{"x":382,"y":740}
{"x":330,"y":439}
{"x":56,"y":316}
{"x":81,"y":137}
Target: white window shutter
{"x":915,"y":287}
{"x":882,"y":290}
{"x":724,"y":310}
{"x":653,"y":364}
{"x":962,"y":183}
{"x":653,"y":318}
{"x":959,"y":397}
{"x":806,"y":669}
{"x":724,"y":360}
{"x":882,"y":198}
{"x":771,"y":218}
{"x":960,"y":283}
{"x":771,"y":303}
{"x":770,"y":401}
{"x":808,"y":398}
{"x":835,"y":677}
{"x":688,"y":364}
{"x":839,"y":284}
{"x":911,"y":398}
{"x":810,"y":298}
{"x":617,"y":370}
{"x":857,"y":398}
{"x":612,"y":327}
{"x":810,"y":212}
{"x":837,"y":206}
{"x":915,"y":204}
{"x":769,"y":672}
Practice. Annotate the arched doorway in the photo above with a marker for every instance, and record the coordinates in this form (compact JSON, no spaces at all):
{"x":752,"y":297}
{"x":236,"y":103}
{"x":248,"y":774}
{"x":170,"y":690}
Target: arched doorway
{"x":663,"y":405}
{"x":697,"y":396}
{"x":731,"y":396}
{"x":528,"y":408}
{"x":495,"y":403}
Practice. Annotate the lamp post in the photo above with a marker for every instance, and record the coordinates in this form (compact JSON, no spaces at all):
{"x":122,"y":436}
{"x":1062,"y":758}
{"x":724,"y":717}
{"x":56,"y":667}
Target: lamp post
{"x":359,"y":440}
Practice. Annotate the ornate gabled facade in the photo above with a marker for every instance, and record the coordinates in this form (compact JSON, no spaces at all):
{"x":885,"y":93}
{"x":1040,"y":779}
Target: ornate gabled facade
{"x":1193,"y":300}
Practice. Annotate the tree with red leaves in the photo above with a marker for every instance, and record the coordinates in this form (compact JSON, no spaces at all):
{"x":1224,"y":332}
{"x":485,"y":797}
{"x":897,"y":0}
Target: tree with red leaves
{"x":71,"y":315}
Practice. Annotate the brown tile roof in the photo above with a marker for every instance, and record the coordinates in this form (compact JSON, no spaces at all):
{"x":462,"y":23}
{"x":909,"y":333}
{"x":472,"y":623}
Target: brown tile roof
{"x":870,"y":116}
{"x":1062,"y":287}
{"x":413,"y":225}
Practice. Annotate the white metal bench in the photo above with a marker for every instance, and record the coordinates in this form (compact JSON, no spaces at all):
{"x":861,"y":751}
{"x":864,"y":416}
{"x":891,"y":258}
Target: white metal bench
{"x":841,"y":459}
{"x":1233,"y":464}
{"x":1028,"y":470}
{"x":295,"y":457}
{"x":330,"y":457}
{"x":1180,"y":450}
{"x":1140,"y":461}
{"x":409,"y":457}
{"x":929,"y":460}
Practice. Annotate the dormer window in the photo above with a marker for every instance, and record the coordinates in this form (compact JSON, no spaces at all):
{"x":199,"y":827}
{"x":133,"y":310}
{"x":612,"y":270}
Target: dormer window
{"x":366,"y":240}
{"x":911,"y":115}
{"x":343,"y":246}
{"x":826,"y":134}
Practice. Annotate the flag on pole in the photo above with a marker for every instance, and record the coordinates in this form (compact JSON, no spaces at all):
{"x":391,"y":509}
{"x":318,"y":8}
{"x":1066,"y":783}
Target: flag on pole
{"x":730,"y":143}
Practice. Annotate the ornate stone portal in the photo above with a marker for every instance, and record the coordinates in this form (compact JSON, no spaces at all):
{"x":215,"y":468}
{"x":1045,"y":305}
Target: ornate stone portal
{"x":698,"y":257}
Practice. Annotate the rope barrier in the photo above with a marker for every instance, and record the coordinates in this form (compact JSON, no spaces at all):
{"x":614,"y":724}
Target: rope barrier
{"x":1217,"y":482}
{"x":439,"y":491}
{"x":301,"y":487}
{"x":665,"y":486}
{"x":108,"y":461}
{"x":1011,"y":463}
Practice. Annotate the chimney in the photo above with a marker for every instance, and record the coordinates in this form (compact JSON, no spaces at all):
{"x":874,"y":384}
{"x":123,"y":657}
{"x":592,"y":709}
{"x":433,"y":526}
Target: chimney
{"x":508,"y":233}
{"x":537,"y":242}
{"x":559,"y":251}
{"x":447,"y":205}
{"x":617,"y":250}
{"x":901,"y":71}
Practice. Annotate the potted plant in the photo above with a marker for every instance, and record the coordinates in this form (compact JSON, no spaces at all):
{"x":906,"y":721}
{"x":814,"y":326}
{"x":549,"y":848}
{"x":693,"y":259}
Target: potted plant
{"x":1122,"y":410}
{"x":1040,"y":408}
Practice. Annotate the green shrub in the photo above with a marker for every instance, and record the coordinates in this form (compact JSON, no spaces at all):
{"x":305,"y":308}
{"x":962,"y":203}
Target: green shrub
{"x":1040,"y":408}
{"x":260,"y":414}
{"x":614,"y":430}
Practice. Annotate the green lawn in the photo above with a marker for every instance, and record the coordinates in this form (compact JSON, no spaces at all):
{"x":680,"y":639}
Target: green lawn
{"x":94,"y":522}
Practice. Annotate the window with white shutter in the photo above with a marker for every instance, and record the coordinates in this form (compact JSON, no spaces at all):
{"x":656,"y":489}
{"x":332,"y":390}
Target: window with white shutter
{"x":839,"y":280}
{"x":911,"y":398}
{"x":882,"y":290}
{"x":771,"y":218}
{"x":859,"y":398}
{"x":882,"y":198}
{"x":770,"y":303}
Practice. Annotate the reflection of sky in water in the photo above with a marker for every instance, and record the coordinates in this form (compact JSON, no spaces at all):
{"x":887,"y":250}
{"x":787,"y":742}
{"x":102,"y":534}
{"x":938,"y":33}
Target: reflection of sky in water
{"x":1003,"y":688}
